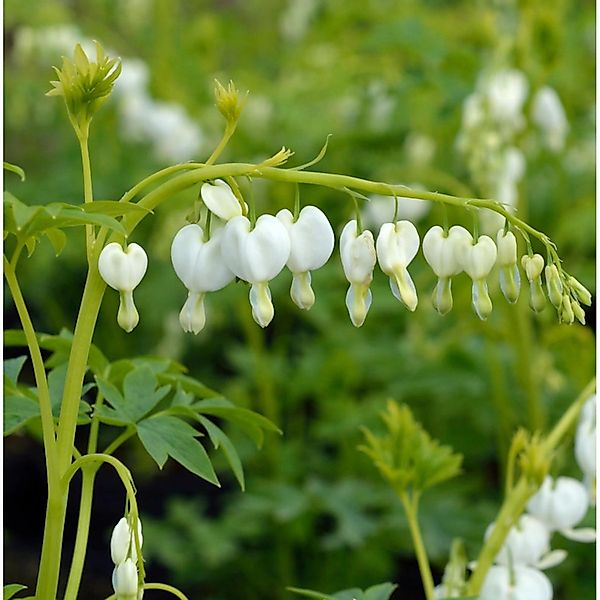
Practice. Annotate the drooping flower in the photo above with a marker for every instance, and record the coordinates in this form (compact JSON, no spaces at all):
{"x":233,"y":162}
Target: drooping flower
{"x":256,"y":256}
{"x":357,"y":252}
{"x":125,"y":580}
{"x":518,"y":583}
{"x":200,"y":266}
{"x":122,"y":541}
{"x":123,"y":270}
{"x":397,"y":244}
{"x":220,"y":200}
{"x":561,"y":504}
{"x":311,"y":245}
{"x":477,"y":261}
{"x":533,"y":267}
{"x":554,"y":286}
{"x":443,"y":252}
{"x":585,"y":445}
{"x":527,"y":542}
{"x":510,"y":279}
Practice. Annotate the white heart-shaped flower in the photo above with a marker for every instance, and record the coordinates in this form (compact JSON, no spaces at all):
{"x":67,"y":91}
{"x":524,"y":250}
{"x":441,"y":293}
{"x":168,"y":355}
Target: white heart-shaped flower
{"x":311,"y":245}
{"x":560,"y":504}
{"x":397,"y":244}
{"x":122,"y":269}
{"x":220,"y":199}
{"x":125,"y":579}
{"x":443,"y":251}
{"x":256,"y":256}
{"x":479,"y":259}
{"x":199,"y":263}
{"x":507,"y":248}
{"x":200,"y":266}
{"x":525,"y":544}
{"x":519,"y":583}
{"x":533,"y":266}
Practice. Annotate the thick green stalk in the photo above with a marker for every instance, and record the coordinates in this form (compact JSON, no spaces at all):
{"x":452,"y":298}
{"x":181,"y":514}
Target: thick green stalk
{"x":411,"y":510}
{"x":83,"y":527}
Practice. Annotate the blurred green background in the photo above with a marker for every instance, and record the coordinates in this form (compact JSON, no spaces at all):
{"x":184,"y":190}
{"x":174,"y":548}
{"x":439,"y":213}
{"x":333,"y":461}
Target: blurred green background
{"x":388,"y":80}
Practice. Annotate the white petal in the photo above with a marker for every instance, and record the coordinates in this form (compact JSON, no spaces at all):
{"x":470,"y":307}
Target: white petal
{"x":200,"y":264}
{"x":192,"y":316}
{"x":262,"y":307}
{"x":257,"y":255}
{"x":479,"y":258}
{"x":533,"y":266}
{"x":301,"y":292}
{"x":119,"y":541}
{"x":552,"y":559}
{"x":358,"y":302}
{"x":220,"y":200}
{"x":311,"y":238}
{"x":122,"y":269}
{"x":507,"y":248}
{"x":125,"y":580}
{"x":443,"y":252}
{"x":583,"y":534}
{"x":358,"y":255}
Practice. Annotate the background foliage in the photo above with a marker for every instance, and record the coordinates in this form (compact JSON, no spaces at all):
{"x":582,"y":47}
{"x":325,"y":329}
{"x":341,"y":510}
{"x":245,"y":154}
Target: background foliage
{"x":384,"y":78}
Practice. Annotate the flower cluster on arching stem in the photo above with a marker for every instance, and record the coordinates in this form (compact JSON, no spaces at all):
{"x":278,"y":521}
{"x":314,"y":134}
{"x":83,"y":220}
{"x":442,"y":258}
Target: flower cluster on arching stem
{"x":230,"y":245}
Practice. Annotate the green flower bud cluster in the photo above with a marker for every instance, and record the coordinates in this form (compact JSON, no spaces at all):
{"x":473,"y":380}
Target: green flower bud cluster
{"x":85,"y":85}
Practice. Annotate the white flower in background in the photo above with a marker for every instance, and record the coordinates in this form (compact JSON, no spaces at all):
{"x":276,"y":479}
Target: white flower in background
{"x":510,"y":278}
{"x":125,"y":580}
{"x":443,"y":251}
{"x":133,"y":79}
{"x":585,"y":445}
{"x":357,"y":252}
{"x":220,"y":199}
{"x":548,"y":113}
{"x":296,"y":18}
{"x":561,"y":504}
{"x":477,"y":261}
{"x":506,"y":92}
{"x":397,"y":244}
{"x":473,"y":111}
{"x":256,"y":256}
{"x":533,"y":267}
{"x":311,"y":244}
{"x":528,"y":544}
{"x":123,"y":270}
{"x":419,"y":148}
{"x":201,"y":268}
{"x":518,"y":583}
{"x":380,"y":209}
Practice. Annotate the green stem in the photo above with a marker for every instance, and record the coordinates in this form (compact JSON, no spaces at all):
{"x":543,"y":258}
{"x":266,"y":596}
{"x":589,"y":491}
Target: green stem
{"x":95,"y":426}
{"x":88,"y":195}
{"x":229,"y":131}
{"x":123,"y":437}
{"x":83,"y":527}
{"x":38,"y":370}
{"x":411,"y":510}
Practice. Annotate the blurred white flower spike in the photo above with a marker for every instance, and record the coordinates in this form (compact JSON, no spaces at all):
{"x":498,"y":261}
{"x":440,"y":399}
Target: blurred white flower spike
{"x":443,"y":252}
{"x":123,"y":270}
{"x":585,"y":445}
{"x":201,"y":268}
{"x":548,"y":113}
{"x":256,"y":256}
{"x":358,"y":255}
{"x":397,"y":245}
{"x":311,"y":244}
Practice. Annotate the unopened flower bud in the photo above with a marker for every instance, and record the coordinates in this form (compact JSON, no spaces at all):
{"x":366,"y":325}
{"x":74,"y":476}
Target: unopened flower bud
{"x":582,"y":293}
{"x":578,"y":311}
{"x":554,"y":286}
{"x":397,"y":245}
{"x":120,"y":541}
{"x":358,"y":255}
{"x":228,"y":101}
{"x":566,"y":310}
{"x":123,"y":271}
{"x":533,"y":266}
{"x":125,"y":580}
{"x":220,"y":200}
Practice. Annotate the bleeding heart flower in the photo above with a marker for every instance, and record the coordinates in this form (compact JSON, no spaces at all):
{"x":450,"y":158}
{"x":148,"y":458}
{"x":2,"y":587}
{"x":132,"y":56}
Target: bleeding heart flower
{"x":533,"y":267}
{"x":357,"y":251}
{"x":256,"y":256}
{"x":443,"y":251}
{"x":397,"y":245}
{"x":477,"y":261}
{"x":200,"y":266}
{"x":518,"y":583}
{"x":510,"y":279}
{"x":123,"y":270}
{"x":311,"y":245}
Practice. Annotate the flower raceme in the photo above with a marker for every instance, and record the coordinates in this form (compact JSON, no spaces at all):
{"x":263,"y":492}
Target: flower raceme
{"x":123,"y":270}
{"x":258,"y":253}
{"x":125,"y":557}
